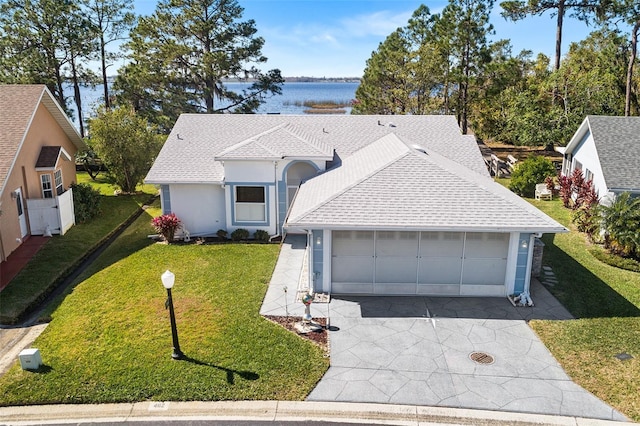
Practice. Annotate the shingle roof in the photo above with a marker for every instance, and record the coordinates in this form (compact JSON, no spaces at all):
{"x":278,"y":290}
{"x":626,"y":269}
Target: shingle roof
{"x":617,"y":141}
{"x":48,"y":157}
{"x":282,"y":141}
{"x":196,"y":139}
{"x":18,"y":104}
{"x":403,"y":188}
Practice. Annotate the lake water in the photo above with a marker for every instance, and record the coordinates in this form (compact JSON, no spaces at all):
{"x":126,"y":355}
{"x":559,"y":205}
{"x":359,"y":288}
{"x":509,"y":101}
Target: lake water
{"x":289,"y":102}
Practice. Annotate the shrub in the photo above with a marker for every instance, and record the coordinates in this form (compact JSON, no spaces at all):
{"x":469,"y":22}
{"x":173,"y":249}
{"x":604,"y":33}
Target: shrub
{"x":86,"y":202}
{"x":240,"y":234}
{"x":621,"y":223}
{"x":222,"y":234}
{"x":615,"y":260}
{"x":565,"y":190}
{"x":530,"y":172}
{"x":586,"y":220}
{"x":166,"y":225}
{"x":261,"y":235}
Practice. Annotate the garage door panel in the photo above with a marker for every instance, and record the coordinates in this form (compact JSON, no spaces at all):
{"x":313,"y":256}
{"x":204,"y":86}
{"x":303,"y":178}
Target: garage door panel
{"x":396,"y":243}
{"x":396,"y":289}
{"x":439,"y":270}
{"x":348,"y":243}
{"x":441,"y":244}
{"x":352,"y":288}
{"x":486,"y":244}
{"x":483,"y":290}
{"x":484,"y":271}
{"x":396,"y":269}
{"x":439,"y":289}
{"x":353,"y":269}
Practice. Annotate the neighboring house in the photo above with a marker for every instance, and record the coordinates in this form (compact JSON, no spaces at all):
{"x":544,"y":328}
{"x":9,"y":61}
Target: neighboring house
{"x":392,"y":205}
{"x":37,"y":147}
{"x":607,"y":150}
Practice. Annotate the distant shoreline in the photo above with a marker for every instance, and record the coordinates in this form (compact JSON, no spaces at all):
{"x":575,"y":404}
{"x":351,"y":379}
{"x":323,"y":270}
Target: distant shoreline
{"x":303,"y":79}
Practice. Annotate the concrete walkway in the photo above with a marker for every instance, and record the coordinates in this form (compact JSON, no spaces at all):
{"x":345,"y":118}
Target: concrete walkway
{"x":416,"y":350}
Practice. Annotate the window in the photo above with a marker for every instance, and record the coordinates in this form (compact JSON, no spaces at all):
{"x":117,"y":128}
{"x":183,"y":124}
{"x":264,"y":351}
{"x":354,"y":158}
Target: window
{"x":57,"y":176}
{"x":577,"y":165}
{"x":587,"y":174}
{"x":250,"y":204}
{"x":47,"y":192}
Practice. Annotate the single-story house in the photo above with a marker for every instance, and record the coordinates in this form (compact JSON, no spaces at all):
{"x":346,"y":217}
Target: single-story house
{"x":395,"y":205}
{"x":38,"y":143}
{"x":607,"y":150}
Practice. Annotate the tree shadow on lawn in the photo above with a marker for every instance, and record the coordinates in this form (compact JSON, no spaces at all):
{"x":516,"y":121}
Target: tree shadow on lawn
{"x":580,"y":291}
{"x":247,"y":375}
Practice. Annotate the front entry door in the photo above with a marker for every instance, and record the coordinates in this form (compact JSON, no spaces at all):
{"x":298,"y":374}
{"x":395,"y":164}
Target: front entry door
{"x":22,"y":218}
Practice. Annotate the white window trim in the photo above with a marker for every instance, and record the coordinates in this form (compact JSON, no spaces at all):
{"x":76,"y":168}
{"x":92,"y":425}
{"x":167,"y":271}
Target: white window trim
{"x":42,"y":184}
{"x":56,"y":174}
{"x":239,"y":206}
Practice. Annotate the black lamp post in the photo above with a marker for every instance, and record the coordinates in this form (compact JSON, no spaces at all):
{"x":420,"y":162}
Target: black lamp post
{"x":168,"y":278}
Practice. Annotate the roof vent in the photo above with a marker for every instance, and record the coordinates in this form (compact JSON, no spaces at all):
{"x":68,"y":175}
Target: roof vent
{"x":419,"y":149}
{"x":392,"y":125}
{"x":380,"y":123}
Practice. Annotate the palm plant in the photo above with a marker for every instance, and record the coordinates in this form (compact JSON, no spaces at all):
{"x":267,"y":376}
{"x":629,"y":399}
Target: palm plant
{"x":621,"y":224}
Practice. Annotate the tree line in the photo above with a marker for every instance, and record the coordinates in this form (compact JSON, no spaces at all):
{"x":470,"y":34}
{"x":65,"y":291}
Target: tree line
{"x":178,"y":59}
{"x":445,"y":64}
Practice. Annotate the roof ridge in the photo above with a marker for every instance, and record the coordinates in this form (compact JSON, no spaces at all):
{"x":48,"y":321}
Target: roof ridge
{"x":252,"y":139}
{"x":357,"y":181}
{"x":308,"y":138}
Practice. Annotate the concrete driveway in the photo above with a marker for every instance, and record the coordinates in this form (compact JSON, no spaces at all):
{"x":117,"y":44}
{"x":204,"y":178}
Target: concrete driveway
{"x":416,"y":350}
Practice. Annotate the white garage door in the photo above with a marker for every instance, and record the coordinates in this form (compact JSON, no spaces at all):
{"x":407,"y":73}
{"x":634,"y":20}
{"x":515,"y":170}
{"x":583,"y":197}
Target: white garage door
{"x":423,"y":263}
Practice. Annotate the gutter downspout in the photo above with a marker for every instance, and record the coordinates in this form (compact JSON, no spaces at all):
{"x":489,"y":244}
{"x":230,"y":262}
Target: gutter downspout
{"x":275,"y":181}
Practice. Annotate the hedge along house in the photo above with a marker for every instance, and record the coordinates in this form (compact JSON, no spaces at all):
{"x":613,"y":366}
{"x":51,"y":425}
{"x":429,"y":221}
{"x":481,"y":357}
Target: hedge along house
{"x":398,"y":205}
{"x":38,"y":143}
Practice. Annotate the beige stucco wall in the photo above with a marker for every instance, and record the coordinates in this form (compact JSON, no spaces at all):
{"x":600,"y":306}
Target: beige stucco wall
{"x":44,"y":131}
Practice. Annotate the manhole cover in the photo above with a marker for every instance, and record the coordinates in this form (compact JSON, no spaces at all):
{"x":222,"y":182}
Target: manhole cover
{"x":481,"y":358}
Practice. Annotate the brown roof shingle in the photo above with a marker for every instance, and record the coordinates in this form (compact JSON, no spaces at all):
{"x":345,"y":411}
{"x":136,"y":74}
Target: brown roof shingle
{"x":18,"y":103}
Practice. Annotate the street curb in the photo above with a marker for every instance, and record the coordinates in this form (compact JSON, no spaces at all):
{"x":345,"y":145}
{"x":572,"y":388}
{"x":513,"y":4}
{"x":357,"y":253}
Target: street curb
{"x":279,"y":411}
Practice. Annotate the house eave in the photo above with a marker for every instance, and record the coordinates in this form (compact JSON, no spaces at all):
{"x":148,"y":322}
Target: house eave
{"x":619,"y":190}
{"x":340,"y":227}
{"x":181,"y":182}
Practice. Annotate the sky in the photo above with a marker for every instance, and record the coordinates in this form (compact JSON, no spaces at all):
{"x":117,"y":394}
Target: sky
{"x":334,"y":38}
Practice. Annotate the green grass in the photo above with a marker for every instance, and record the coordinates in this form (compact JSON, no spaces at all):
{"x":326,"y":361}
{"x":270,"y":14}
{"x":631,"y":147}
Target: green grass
{"x":52,"y":263}
{"x":110,"y":339}
{"x":606,"y":301}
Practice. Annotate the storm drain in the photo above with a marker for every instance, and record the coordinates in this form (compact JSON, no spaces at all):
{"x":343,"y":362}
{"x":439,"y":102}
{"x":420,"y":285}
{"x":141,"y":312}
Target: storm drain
{"x":481,"y":357}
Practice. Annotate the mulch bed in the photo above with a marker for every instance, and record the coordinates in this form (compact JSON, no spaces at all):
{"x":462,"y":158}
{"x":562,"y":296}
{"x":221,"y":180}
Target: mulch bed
{"x":319,"y":337}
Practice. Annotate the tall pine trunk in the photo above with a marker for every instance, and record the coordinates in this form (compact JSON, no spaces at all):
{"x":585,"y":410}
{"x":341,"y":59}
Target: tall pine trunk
{"x":632,"y":60}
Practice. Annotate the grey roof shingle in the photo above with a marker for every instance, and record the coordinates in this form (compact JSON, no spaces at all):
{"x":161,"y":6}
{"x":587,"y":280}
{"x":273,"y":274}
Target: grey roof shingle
{"x":617,"y":141}
{"x":411,"y":190}
{"x":196,"y":139}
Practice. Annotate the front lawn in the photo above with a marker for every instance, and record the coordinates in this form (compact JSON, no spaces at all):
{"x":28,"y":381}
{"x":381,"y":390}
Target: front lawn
{"x":606,"y":301}
{"x":110,"y":339}
{"x":61,"y":253}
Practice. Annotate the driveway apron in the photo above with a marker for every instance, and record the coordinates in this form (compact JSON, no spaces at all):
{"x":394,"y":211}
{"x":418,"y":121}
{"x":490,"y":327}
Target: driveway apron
{"x":417,"y":350}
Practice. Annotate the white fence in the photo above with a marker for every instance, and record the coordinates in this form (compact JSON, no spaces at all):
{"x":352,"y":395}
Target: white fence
{"x":57,"y":214}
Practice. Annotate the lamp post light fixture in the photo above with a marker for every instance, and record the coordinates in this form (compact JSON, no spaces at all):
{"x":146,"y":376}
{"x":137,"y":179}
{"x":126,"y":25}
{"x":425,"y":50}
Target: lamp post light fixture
{"x":168,"y":278}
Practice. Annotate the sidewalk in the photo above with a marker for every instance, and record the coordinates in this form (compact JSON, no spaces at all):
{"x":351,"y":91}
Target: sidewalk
{"x":281,"y":411}
{"x":19,"y":259}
